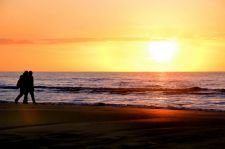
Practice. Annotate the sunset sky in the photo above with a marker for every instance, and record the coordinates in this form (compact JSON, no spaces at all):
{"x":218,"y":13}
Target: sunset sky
{"x":112,"y":35}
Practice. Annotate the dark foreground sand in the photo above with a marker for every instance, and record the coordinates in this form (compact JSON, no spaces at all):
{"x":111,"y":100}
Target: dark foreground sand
{"x":67,"y":126}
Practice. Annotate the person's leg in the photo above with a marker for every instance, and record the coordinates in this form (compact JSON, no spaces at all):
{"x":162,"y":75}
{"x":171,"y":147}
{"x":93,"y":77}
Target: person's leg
{"x":32,"y":97}
{"x":25,"y":100}
{"x":18,"y":97}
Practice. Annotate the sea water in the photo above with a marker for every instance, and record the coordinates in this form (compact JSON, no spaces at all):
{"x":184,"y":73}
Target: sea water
{"x":204,"y":91}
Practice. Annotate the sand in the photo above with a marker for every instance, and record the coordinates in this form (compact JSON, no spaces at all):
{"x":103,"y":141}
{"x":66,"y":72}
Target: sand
{"x":69,"y":126}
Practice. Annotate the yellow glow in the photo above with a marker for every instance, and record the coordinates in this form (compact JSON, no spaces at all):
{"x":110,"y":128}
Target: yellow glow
{"x":163,"y":51}
{"x":112,"y":35}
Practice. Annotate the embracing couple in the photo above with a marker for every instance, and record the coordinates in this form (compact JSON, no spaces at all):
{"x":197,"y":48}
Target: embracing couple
{"x":26,"y":86}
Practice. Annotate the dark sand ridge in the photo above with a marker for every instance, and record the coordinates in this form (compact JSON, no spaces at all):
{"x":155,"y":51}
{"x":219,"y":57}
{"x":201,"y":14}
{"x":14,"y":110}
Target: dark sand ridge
{"x":65,"y":126}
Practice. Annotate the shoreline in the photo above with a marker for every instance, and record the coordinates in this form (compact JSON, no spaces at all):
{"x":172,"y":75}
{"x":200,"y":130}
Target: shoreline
{"x":114,"y":106}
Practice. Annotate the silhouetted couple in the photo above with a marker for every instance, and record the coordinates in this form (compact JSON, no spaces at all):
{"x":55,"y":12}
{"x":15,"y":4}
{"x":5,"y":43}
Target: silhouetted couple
{"x":26,"y":86}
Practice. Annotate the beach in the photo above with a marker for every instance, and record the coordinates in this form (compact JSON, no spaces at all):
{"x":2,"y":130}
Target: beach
{"x":112,"y":74}
{"x":74,"y":126}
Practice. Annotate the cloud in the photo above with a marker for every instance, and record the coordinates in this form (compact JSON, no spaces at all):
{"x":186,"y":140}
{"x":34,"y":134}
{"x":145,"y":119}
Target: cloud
{"x":8,"y":41}
{"x":13,"y":41}
{"x":67,"y":40}
{"x":74,"y":40}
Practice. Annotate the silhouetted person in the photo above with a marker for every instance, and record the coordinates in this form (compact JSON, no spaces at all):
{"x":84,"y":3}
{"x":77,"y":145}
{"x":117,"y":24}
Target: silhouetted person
{"x":22,"y":85}
{"x":30,"y":88}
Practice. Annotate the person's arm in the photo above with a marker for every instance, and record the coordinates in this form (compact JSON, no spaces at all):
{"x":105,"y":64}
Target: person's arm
{"x":32,"y":82}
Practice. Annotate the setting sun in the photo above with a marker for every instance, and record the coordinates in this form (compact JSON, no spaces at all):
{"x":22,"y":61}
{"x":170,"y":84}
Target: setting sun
{"x":163,"y":51}
{"x":112,"y":35}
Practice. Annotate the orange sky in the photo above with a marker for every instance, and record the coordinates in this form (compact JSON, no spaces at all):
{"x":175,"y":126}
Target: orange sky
{"x":110,"y":35}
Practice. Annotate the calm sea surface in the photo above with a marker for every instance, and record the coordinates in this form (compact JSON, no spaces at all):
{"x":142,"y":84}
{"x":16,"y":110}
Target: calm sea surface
{"x":204,"y":91}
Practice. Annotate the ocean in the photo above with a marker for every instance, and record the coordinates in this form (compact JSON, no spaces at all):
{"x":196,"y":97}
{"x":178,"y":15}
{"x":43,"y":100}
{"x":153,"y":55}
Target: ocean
{"x":199,"y":91}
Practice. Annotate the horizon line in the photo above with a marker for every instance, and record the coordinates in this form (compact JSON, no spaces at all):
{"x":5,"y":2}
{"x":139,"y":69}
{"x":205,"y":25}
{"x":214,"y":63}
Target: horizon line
{"x":117,"y":71}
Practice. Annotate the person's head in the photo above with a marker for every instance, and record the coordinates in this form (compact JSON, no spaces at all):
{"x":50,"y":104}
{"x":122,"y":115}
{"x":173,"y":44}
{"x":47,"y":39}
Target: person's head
{"x":30,"y":73}
{"x":25,"y":73}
